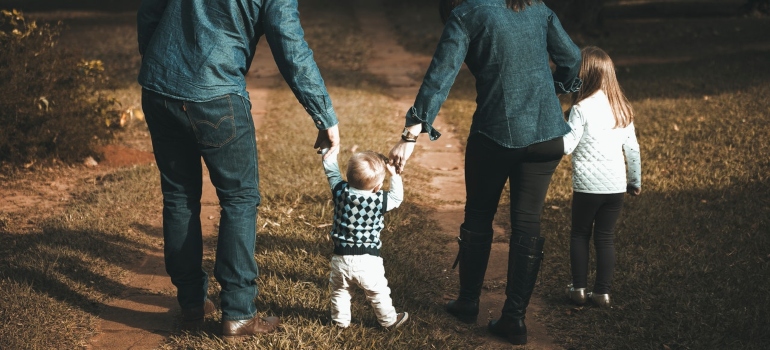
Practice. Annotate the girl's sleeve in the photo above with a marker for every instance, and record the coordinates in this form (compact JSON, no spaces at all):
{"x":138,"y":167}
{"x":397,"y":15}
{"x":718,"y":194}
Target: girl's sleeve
{"x":576,"y":122}
{"x":633,"y":158}
{"x":395,"y":193}
{"x":332,"y":169}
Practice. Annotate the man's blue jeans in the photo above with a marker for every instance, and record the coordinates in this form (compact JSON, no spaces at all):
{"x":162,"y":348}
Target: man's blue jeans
{"x":220,"y":131}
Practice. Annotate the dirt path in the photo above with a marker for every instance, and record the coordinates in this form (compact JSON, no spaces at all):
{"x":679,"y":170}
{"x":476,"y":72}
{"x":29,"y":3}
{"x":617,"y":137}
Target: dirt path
{"x":444,"y":158}
{"x":147,"y":313}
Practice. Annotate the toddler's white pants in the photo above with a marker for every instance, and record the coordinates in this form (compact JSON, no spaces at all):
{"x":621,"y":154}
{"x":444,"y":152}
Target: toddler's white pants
{"x":367,"y":272}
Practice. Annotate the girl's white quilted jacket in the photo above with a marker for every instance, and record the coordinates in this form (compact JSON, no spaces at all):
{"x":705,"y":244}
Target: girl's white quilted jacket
{"x":597,"y":149}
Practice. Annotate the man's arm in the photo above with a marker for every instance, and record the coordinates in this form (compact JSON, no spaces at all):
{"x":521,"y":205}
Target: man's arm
{"x":147,"y":18}
{"x":294,"y":58}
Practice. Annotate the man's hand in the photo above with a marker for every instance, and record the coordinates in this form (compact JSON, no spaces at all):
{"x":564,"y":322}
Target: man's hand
{"x":329,"y":138}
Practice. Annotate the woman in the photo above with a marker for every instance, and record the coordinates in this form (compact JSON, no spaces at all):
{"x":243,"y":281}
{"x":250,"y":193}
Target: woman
{"x":516,"y":136}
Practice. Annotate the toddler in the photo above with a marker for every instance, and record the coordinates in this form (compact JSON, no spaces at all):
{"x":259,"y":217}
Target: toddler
{"x":602,"y":125}
{"x":359,"y":205}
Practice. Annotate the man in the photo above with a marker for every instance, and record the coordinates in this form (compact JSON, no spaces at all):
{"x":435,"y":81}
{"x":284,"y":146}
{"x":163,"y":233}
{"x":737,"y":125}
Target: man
{"x":195,"y":55}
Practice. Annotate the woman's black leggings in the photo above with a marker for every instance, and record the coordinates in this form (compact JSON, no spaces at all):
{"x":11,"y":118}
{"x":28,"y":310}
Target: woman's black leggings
{"x":488,"y":166}
{"x":595,"y":213}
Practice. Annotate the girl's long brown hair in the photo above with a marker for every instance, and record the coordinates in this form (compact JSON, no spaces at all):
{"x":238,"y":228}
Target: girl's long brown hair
{"x":598,"y":73}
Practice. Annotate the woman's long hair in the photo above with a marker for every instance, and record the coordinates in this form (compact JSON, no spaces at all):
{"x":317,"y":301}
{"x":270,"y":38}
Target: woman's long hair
{"x":445,"y":7}
{"x":598,"y":73}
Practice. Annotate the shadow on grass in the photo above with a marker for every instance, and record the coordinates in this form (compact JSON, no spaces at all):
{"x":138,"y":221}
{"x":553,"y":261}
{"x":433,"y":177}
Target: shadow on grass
{"x":69,"y":265}
{"x":691,"y":272}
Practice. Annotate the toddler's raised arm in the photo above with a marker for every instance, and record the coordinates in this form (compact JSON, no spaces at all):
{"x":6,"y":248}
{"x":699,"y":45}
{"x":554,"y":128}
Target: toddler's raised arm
{"x":396,"y":192}
{"x":331,"y":168}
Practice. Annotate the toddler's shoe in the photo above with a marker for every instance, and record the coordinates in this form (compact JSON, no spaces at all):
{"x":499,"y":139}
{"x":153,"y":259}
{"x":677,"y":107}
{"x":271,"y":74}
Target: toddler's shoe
{"x":340,"y":325}
{"x":602,"y":300}
{"x":576,"y":295}
{"x":400,"y":320}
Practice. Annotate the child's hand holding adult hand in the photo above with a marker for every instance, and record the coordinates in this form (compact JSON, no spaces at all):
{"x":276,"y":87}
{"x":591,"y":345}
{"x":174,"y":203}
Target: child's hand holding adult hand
{"x":391,"y":168}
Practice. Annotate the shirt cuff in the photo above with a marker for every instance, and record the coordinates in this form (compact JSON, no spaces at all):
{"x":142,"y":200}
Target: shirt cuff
{"x":574,"y":86}
{"x":412,"y":118}
{"x":324,"y":120}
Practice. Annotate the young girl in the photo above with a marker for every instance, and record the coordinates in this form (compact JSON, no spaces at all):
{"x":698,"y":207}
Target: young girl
{"x":602,"y":130}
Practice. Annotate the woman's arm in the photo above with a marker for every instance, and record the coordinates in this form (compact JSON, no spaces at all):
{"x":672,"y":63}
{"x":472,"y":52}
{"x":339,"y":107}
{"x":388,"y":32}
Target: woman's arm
{"x":447,"y":60}
{"x":565,"y":55}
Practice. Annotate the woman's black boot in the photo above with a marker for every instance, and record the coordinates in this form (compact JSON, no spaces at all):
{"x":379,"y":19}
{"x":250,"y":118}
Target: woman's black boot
{"x":472,"y":256}
{"x":524,"y":259}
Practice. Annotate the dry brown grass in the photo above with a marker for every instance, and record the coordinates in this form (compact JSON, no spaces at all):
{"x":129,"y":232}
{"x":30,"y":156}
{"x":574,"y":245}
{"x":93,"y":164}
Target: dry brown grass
{"x":693,"y":249}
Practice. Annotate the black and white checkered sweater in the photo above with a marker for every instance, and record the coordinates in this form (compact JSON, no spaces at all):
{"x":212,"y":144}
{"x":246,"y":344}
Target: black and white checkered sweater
{"x":358,"y":221}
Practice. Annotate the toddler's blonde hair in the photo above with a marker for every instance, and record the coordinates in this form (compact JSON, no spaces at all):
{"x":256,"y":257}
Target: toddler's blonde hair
{"x":366,"y":170}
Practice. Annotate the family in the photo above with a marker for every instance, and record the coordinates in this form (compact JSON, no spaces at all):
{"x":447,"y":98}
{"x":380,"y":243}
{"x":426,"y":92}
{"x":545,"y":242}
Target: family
{"x":195,"y":55}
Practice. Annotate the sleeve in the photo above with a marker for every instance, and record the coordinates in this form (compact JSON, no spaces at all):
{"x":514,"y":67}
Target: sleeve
{"x":332,"y":170}
{"x":565,"y":55}
{"x":577,"y":123}
{"x":633,"y":157}
{"x":441,"y":74}
{"x":147,"y":18}
{"x":295,"y":61}
{"x":395,"y":193}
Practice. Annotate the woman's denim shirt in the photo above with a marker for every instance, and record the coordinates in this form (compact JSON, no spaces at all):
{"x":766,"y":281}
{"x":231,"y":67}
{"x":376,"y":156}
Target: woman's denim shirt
{"x":197,"y":50}
{"x":508,"y":53}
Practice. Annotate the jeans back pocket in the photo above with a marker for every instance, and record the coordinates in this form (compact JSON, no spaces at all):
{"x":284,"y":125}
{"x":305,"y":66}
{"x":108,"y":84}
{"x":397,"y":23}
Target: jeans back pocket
{"x":212,"y":121}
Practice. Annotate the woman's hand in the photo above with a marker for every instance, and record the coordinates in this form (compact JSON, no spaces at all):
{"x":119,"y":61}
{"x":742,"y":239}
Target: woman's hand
{"x":400,"y":154}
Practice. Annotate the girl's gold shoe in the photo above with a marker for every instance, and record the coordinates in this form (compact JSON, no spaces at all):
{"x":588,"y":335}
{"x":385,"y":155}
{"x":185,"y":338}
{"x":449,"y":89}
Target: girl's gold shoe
{"x":602,"y":300}
{"x":577,"y":295}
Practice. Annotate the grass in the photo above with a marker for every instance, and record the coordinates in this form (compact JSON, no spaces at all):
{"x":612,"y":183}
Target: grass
{"x":692,"y":251}
{"x":57,"y":266}
{"x":108,"y":222}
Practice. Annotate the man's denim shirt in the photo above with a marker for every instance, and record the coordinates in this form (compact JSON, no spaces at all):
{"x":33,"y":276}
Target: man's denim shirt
{"x":210,"y":55}
{"x":508,"y":53}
